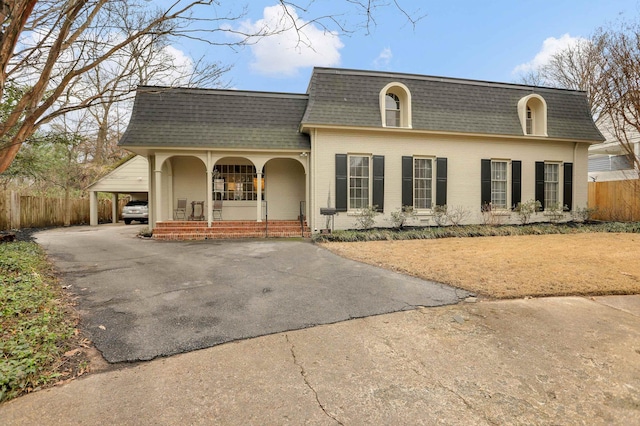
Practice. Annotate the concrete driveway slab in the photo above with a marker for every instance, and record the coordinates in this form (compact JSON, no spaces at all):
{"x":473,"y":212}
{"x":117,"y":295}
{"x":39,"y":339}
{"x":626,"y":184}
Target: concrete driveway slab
{"x":141,"y":299}
{"x":553,"y":361}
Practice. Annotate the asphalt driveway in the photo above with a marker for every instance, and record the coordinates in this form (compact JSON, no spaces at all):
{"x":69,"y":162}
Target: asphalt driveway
{"x":141,"y":299}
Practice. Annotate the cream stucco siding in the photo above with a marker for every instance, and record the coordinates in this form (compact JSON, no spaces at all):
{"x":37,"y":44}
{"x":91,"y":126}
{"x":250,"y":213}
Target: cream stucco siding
{"x":285,"y":188}
{"x":189,"y":181}
{"x":464,"y":155}
{"x":132,"y":176}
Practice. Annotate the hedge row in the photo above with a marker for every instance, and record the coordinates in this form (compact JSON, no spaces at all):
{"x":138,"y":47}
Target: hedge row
{"x":382,"y":234}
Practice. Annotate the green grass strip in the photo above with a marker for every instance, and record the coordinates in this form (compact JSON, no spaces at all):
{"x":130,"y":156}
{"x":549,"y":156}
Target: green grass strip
{"x":33,"y":322}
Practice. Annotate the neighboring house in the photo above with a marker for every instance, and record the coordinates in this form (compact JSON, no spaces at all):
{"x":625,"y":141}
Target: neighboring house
{"x":608,"y":161}
{"x":131,"y":177}
{"x":360,"y":139}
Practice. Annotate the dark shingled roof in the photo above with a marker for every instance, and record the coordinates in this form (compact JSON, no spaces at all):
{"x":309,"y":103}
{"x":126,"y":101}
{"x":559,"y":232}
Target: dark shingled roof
{"x":212,"y":118}
{"x":351,"y":98}
{"x":179,"y":117}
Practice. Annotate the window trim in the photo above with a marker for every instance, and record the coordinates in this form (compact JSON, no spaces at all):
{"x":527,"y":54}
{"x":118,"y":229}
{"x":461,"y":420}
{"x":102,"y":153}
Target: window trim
{"x":433,"y":182}
{"x":369,"y":179}
{"x":404,"y":96}
{"x":538,"y":107}
{"x":540,"y":179}
{"x":397,"y":111}
{"x":507,"y":183}
{"x":238,"y":182}
{"x":559,"y":183}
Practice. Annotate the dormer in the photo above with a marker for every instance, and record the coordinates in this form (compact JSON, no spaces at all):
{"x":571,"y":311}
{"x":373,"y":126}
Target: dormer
{"x":532,"y":111}
{"x":395,"y":106}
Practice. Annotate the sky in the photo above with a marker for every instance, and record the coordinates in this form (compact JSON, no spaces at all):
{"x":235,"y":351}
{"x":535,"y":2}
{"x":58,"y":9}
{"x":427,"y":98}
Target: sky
{"x":480,"y":40}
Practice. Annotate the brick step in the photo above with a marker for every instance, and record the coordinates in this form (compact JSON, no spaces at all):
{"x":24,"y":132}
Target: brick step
{"x":222,"y":236}
{"x":237,"y":223}
{"x":198,"y":230}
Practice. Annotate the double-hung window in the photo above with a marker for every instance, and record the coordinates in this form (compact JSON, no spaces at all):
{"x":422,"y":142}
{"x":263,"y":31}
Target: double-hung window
{"x":551,"y":184}
{"x":499,"y":184}
{"x":422,"y":183}
{"x":554,"y":185}
{"x":359,"y":181}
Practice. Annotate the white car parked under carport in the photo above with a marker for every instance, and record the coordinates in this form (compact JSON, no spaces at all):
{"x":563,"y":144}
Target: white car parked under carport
{"x":136,"y":210}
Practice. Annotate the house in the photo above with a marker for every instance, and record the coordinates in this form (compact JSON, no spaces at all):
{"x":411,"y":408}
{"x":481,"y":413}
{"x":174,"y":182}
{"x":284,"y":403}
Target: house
{"x":608,"y":160}
{"x":359,"y":139}
{"x":614,"y":188}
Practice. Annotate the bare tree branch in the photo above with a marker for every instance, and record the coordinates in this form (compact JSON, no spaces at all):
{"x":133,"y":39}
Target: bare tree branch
{"x":61,"y":53}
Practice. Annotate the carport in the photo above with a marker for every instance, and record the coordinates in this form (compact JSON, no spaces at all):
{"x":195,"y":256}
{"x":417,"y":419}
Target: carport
{"x":131,"y":177}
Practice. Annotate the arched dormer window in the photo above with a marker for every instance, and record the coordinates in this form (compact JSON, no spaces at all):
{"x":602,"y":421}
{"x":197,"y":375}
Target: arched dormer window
{"x":395,"y":106}
{"x":392,"y":110}
{"x":532,"y":111}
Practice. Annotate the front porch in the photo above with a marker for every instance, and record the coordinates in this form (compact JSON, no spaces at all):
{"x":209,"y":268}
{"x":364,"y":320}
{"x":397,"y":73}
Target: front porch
{"x":240,"y":184}
{"x":229,"y":229}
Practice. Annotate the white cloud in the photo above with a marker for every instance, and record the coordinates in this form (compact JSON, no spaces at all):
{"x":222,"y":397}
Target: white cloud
{"x":181,"y":67}
{"x":383,"y":59}
{"x":550,"y":47}
{"x":284,"y":52}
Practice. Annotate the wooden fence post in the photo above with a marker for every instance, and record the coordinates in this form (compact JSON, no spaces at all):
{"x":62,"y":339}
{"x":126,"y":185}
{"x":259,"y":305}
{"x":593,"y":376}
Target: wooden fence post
{"x":14,"y":210}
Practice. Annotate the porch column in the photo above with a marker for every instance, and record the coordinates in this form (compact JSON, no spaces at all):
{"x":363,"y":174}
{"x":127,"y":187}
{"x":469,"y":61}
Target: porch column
{"x":93,"y":208}
{"x":209,"y":190}
{"x":158,"y":195}
{"x":114,"y":208}
{"x":307,"y":199}
{"x":259,"y":192}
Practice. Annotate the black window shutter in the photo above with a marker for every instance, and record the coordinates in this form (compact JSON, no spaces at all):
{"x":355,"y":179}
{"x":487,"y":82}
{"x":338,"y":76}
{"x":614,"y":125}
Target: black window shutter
{"x":540,"y":182}
{"x":516,"y":183}
{"x":407,"y":181}
{"x":485,"y":183}
{"x":341,"y":182}
{"x":441,"y":181}
{"x":378,"y":182}
{"x":568,"y":185}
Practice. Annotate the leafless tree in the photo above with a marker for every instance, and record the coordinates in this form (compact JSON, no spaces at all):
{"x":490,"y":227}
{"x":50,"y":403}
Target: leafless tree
{"x":47,"y":46}
{"x":576,"y":67}
{"x":607,"y":68}
{"x":146,"y":60}
{"x":619,"y":85}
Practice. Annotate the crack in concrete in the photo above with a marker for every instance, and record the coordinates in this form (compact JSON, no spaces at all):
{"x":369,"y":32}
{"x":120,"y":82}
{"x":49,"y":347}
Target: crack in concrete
{"x":617,"y":308}
{"x":303,"y":373}
{"x":467,"y":403}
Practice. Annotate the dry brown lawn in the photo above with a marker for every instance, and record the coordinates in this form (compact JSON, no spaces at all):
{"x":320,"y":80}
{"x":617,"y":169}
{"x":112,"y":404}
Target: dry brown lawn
{"x":513,"y":267}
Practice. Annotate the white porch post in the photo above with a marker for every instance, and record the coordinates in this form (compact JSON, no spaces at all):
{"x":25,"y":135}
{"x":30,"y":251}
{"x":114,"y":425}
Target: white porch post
{"x":259,"y":192}
{"x":151,"y":197}
{"x":307,"y":199}
{"x":158,"y":194}
{"x":93,"y":208}
{"x":209,"y":190}
{"x":114,"y":208}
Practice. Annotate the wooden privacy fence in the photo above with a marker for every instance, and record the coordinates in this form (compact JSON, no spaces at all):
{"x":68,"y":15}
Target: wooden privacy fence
{"x":616,"y":200}
{"x":27,"y":211}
